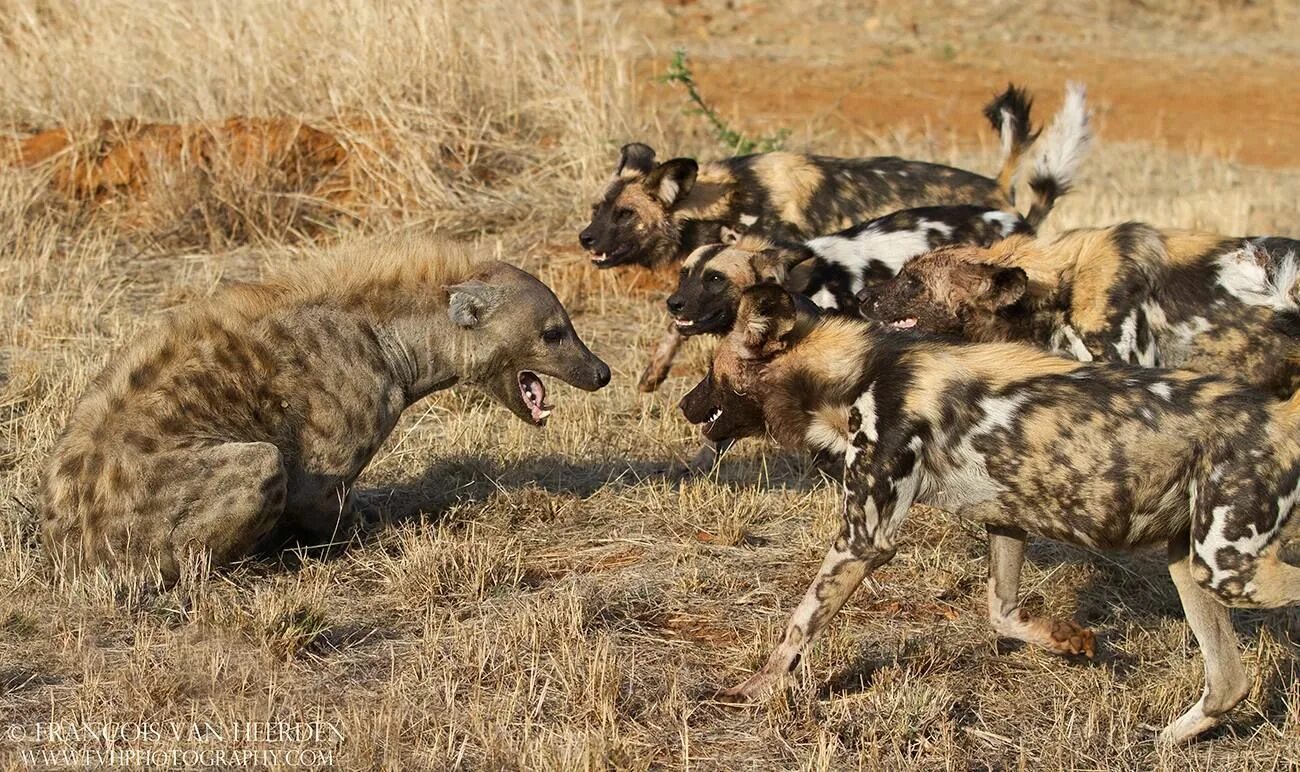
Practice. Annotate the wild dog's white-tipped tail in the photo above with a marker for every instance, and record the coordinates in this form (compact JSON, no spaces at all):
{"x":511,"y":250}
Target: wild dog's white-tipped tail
{"x":1060,"y":152}
{"x":1009,"y":115}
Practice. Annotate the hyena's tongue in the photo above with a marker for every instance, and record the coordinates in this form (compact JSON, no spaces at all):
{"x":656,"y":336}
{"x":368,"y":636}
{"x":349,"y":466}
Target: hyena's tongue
{"x":534,"y":394}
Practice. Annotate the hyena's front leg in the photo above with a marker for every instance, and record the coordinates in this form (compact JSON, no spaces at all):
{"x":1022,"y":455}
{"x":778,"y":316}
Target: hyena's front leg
{"x":1010,"y":620}
{"x":661,"y":362}
{"x":865,"y":543}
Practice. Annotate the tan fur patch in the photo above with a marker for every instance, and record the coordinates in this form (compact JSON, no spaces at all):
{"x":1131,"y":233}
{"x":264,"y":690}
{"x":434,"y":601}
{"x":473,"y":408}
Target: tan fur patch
{"x":832,"y":352}
{"x":710,"y":197}
{"x":1184,"y":247}
{"x":791,"y":180}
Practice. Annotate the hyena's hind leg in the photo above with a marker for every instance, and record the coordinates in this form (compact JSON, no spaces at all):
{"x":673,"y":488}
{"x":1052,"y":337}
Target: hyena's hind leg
{"x":1009,"y":619}
{"x":1226,"y":683}
{"x":235,"y":494}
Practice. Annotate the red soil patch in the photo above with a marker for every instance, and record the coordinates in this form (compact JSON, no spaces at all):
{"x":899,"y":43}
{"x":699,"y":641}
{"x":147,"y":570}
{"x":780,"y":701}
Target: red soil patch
{"x":1228,"y":108}
{"x":130,"y":156}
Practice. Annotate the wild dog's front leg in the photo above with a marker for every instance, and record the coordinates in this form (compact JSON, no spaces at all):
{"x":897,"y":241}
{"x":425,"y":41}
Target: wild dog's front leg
{"x":1226,"y":683}
{"x":661,"y":362}
{"x":865,"y":543}
{"x":1006,"y":556}
{"x":841,"y":573}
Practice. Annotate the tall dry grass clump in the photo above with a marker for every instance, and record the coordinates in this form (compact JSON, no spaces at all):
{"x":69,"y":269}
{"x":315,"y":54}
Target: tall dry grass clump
{"x":467,"y":115}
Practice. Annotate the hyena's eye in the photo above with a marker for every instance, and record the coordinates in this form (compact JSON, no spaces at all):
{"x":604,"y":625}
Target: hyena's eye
{"x":553,"y":335}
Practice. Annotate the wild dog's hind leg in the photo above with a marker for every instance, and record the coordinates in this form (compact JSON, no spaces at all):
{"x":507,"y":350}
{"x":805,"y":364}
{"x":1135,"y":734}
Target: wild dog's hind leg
{"x":235,"y":494}
{"x":1006,"y":556}
{"x":1226,"y":683}
{"x":661,"y":362}
{"x":872,"y":518}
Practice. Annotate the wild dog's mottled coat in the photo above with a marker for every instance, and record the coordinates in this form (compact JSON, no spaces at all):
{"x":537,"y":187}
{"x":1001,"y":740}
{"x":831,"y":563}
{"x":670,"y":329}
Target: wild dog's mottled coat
{"x":831,"y":270}
{"x":1129,"y":293}
{"x":1103,"y":455}
{"x":655,"y":213}
{"x":258,"y":408}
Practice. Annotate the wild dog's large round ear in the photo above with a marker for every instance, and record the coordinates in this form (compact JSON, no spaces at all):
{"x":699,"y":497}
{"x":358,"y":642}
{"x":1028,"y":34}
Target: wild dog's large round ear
{"x":766,"y":314}
{"x":778,"y":265}
{"x":470,"y":302}
{"x":635,"y":158}
{"x":672,"y":180}
{"x":1007,"y":285}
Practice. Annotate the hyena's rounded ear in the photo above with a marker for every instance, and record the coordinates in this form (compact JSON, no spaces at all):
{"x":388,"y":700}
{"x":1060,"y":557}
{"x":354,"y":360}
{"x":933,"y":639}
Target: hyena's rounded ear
{"x":635,"y":158}
{"x":470,"y":302}
{"x":766,"y":315}
{"x":672,"y":180}
{"x":1006,"y":287}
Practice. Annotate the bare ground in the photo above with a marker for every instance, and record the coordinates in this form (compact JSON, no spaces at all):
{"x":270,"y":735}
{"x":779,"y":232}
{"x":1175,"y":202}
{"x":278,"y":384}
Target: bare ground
{"x":547,"y":599}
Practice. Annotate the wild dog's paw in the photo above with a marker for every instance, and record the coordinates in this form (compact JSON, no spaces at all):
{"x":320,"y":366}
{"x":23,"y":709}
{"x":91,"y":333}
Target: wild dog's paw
{"x":651,"y":378}
{"x":750,"y":691}
{"x":1066,"y":636}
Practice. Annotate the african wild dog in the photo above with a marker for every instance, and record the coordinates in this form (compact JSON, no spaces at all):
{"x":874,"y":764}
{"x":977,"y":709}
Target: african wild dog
{"x":651,"y":214}
{"x":1104,"y":455}
{"x":257,"y":409}
{"x":831,"y":270}
{"x":1127,"y":293}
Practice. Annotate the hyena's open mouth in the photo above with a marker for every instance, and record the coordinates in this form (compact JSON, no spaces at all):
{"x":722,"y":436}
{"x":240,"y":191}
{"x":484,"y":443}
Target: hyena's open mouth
{"x":533,"y":392}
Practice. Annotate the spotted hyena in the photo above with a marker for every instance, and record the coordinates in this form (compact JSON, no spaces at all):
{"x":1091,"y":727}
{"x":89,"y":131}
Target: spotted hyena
{"x":257,"y":409}
{"x":1104,"y":455}
{"x":1126,"y":293}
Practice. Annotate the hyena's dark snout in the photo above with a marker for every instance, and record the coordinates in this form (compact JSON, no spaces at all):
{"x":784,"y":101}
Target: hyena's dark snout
{"x":589,"y":373}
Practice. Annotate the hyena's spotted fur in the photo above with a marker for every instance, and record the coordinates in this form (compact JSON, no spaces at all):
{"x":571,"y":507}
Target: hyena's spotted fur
{"x":256,"y":410}
{"x":1127,"y":293}
{"x":1104,"y":455}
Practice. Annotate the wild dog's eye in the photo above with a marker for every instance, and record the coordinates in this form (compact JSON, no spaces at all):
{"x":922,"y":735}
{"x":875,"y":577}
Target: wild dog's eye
{"x":553,"y":334}
{"x":713,"y":277}
{"x":622,"y":215}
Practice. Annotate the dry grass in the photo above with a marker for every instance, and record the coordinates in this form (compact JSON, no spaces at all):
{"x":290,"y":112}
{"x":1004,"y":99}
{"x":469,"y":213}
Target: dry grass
{"x":527,"y":599}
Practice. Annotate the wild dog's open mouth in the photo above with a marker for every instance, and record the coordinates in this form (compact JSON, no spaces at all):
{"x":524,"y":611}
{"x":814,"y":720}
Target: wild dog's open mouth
{"x":703,"y":323}
{"x":534,"y":394}
{"x":904,"y":324}
{"x":713,"y":416}
{"x":603,"y":258}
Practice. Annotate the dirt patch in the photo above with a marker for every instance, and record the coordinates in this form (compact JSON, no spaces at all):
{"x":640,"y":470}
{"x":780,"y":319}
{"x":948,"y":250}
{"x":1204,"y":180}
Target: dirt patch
{"x":1226,"y":109}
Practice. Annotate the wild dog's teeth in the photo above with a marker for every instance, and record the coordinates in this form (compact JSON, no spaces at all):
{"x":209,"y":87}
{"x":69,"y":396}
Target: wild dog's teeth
{"x":905,"y":324}
{"x":715,"y":415}
{"x":684,"y":322}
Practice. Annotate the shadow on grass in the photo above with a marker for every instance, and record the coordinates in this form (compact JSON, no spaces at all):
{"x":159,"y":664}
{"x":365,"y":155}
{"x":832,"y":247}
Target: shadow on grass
{"x":464,"y":479}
